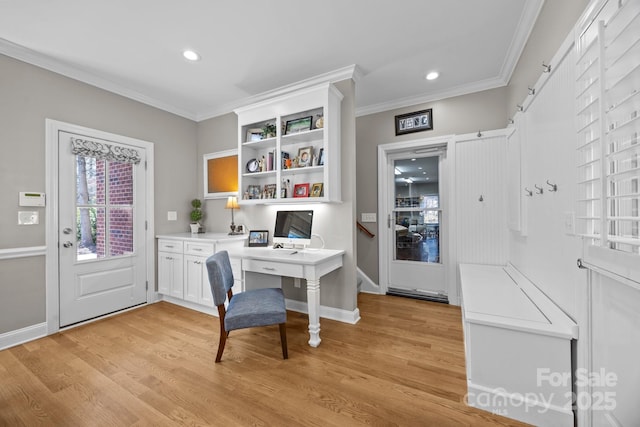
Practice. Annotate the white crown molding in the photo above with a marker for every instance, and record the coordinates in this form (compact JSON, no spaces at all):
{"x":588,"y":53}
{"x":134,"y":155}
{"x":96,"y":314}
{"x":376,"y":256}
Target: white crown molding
{"x":527,"y":21}
{"x":431,"y":97}
{"x":48,"y":63}
{"x":350,"y":72}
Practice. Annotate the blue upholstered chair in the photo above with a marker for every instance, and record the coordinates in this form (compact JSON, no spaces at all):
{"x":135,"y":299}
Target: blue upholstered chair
{"x":259,"y":307}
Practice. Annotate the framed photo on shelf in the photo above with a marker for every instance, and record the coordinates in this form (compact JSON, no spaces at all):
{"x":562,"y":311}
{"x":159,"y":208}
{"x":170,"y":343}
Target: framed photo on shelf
{"x":253,"y":192}
{"x":304,"y":156}
{"x":301,"y":190}
{"x":258,"y":238}
{"x":270,"y":191}
{"x":254,"y":135}
{"x":321,"y":157}
{"x":302,"y":124}
{"x":316,"y":190}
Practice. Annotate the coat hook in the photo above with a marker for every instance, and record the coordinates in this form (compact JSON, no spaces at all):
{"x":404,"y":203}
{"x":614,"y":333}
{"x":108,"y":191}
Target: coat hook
{"x":547,"y":68}
{"x":532,"y":91}
{"x":520,"y":107}
{"x":479,"y":134}
{"x":481,"y":199}
{"x":553,"y":187}
{"x":539,"y":190}
{"x":529,"y":192}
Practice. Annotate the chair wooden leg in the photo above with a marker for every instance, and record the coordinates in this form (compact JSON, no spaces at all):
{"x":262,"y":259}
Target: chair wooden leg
{"x":283,"y":340}
{"x":221,"y":343}
{"x":223,"y":333}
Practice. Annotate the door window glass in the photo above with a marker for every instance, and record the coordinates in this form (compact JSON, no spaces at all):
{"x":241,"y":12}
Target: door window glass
{"x":417,"y":210}
{"x":104,"y":208}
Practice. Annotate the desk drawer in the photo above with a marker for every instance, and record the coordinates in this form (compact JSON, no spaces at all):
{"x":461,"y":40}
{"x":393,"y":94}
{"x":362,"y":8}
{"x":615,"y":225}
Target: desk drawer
{"x":270,"y":267}
{"x":174,"y":246}
{"x":196,"y":248}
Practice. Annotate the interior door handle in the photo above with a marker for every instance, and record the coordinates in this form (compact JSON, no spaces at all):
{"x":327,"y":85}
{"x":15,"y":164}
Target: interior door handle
{"x":67,"y":230}
{"x":67,"y":244}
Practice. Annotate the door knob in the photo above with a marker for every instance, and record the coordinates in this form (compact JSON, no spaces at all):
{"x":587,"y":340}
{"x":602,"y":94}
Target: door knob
{"x":67,"y":244}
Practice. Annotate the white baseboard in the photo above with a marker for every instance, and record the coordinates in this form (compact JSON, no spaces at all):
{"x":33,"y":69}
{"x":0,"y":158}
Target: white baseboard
{"x":367,"y":285}
{"x":345,"y":316}
{"x":188,"y":304}
{"x":20,"y":336}
{"x":517,"y":406}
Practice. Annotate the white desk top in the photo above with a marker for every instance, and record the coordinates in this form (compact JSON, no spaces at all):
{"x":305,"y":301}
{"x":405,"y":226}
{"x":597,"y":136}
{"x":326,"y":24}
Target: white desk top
{"x":203,"y":237}
{"x":296,"y":256}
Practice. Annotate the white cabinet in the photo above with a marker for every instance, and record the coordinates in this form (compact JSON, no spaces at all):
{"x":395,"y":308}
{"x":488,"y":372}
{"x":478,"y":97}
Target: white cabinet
{"x":289,"y":148}
{"x":182,"y":269}
{"x":170,"y":259}
{"x":196,"y":282}
{"x":515,"y":339}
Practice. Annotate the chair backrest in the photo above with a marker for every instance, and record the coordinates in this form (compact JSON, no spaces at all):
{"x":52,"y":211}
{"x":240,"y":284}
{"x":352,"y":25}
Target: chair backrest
{"x":220,"y":276}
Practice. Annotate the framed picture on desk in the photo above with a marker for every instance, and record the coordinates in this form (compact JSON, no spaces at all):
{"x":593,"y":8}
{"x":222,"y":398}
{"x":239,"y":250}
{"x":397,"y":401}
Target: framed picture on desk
{"x":258,"y":238}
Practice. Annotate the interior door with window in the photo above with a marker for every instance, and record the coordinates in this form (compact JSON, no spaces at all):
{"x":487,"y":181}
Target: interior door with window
{"x":101,"y":227}
{"x":416,"y":264}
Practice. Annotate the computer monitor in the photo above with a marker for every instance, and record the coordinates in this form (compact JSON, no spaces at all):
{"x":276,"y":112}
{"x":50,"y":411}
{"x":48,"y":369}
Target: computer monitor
{"x":293,"y":228}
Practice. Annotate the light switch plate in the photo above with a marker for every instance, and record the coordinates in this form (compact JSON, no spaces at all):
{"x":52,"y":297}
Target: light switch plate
{"x":172,"y":216}
{"x":369,"y":217}
{"x":570,"y":223}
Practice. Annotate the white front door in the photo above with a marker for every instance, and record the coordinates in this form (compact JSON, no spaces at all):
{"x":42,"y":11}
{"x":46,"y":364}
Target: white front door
{"x":416,"y":221}
{"x":101,"y":226}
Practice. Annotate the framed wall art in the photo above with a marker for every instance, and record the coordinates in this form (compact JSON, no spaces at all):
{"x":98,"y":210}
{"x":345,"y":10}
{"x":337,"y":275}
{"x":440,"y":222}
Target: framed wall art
{"x":417,"y":121}
{"x":220,"y":174}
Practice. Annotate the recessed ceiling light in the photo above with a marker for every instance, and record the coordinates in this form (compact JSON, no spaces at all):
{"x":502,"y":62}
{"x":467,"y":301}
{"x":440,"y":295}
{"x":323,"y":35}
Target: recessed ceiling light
{"x":413,"y":160}
{"x":432,"y":75}
{"x":191,"y":55}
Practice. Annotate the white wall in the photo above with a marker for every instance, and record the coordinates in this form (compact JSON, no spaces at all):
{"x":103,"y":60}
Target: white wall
{"x":547,"y":255}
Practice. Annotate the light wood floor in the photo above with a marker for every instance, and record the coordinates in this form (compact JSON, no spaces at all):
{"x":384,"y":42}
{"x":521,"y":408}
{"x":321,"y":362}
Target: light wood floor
{"x":402,"y":364}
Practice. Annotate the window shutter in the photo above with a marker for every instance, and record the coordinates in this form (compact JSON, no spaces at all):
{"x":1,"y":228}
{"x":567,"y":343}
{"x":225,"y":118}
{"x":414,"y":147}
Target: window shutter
{"x":608,"y":101}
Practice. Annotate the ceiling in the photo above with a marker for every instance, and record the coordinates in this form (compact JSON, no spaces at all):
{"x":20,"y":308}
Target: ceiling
{"x":249,"y":48}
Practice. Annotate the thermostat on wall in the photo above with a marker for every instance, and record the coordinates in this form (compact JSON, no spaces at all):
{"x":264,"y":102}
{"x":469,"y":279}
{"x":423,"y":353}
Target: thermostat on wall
{"x":31,"y":198}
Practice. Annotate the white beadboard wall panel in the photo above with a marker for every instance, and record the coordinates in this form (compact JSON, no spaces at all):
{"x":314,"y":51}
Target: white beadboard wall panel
{"x":481,"y":225}
{"x":615,"y":337}
{"x":547,"y":256}
{"x":514,"y":186}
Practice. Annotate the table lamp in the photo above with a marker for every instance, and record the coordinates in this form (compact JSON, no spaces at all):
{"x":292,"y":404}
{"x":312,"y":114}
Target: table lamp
{"x":232,"y":203}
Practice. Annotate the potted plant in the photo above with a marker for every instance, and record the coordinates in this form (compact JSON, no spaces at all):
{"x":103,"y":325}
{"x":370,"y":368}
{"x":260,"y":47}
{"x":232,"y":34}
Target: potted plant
{"x":196,"y":215}
{"x":269,"y":130}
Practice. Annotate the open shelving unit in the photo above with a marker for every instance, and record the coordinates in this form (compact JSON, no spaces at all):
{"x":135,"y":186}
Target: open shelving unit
{"x":288,"y":148}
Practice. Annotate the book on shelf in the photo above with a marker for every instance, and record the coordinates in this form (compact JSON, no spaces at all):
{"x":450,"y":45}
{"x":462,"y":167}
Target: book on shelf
{"x":270,"y":156}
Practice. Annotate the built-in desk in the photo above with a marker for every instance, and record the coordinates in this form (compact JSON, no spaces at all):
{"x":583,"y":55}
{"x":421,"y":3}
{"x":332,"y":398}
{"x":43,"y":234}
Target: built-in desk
{"x":310,"y":264}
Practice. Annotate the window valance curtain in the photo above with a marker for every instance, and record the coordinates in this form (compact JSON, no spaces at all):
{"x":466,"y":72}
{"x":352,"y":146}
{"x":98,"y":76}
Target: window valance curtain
{"x":100,"y":150}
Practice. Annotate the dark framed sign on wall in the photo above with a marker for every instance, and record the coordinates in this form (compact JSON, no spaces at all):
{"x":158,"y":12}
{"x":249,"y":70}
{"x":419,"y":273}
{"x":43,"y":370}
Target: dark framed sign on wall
{"x":414,"y":122}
